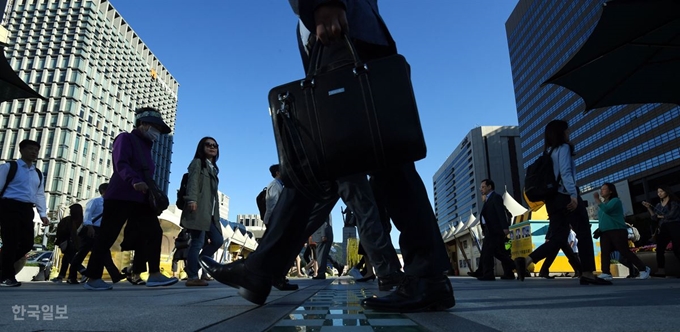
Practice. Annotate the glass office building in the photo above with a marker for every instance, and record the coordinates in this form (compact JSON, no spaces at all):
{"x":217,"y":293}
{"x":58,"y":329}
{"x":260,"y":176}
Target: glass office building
{"x":485,"y":152}
{"x":94,"y":70}
{"x":632,"y":145}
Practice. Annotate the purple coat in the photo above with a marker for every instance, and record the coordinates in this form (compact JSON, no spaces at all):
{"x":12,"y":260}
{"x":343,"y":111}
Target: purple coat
{"x":127,"y":168}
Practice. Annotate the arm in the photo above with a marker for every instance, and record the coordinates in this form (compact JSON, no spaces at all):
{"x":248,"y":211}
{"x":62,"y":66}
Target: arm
{"x":326,"y":18}
{"x":40,"y":203}
{"x":4,"y":169}
{"x":612,"y":205}
{"x":499,"y":212}
{"x":566,"y":170}
{"x":674,"y":211}
{"x":123,"y":154}
{"x":193,"y":181}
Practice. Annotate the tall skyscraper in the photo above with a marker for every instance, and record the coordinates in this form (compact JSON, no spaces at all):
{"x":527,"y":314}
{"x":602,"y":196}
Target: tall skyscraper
{"x":636,"y":144}
{"x":94,"y":71}
{"x":485,"y":152}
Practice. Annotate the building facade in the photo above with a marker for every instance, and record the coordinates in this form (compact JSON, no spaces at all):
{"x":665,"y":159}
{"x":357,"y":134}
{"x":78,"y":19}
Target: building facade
{"x":253,"y":223}
{"x":223,"y":201}
{"x":485,"y":152}
{"x":93,"y":70}
{"x":636,"y":144}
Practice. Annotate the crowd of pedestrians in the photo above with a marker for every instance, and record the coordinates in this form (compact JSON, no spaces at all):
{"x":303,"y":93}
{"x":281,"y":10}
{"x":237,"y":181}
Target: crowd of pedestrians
{"x":296,"y":224}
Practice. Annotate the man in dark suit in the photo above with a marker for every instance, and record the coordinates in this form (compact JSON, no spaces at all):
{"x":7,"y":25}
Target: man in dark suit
{"x":495,"y":225}
{"x":425,"y":286}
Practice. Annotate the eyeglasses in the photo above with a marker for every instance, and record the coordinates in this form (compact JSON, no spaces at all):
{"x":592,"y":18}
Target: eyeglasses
{"x":211,"y":145}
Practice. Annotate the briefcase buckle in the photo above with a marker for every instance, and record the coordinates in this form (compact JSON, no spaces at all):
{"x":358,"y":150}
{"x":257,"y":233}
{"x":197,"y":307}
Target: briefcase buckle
{"x":360,"y":70}
{"x":283,"y":108}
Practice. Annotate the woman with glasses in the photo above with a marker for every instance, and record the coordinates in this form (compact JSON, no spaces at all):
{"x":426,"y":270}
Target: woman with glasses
{"x":201,"y":215}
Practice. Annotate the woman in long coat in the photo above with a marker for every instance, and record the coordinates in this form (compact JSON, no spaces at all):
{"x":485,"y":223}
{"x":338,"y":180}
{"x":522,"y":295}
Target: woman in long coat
{"x":201,"y":215}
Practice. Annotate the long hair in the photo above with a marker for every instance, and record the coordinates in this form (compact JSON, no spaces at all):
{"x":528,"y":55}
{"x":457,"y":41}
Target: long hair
{"x":554,"y":135}
{"x":669,"y":192}
{"x":612,"y":189}
{"x":76,"y":212}
{"x":200,"y":152}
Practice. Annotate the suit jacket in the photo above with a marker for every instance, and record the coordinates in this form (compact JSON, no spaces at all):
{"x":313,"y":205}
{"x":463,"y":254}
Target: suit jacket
{"x":202,"y":189}
{"x":494,"y":214}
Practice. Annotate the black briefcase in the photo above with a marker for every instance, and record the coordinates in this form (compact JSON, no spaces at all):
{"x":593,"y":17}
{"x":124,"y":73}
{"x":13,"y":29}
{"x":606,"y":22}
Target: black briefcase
{"x":356,"y":118}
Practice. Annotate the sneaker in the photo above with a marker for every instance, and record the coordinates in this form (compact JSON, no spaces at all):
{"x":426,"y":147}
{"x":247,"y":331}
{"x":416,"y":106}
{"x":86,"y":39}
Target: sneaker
{"x":57,"y":280}
{"x":160,"y":280}
{"x":195,"y":282}
{"x":354,"y":273}
{"x":645,"y":274}
{"x":10,"y":283}
{"x":97,"y":285}
{"x":606,"y":276}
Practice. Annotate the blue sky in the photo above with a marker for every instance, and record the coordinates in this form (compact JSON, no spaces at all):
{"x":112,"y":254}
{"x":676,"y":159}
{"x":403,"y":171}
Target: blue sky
{"x":227,"y":55}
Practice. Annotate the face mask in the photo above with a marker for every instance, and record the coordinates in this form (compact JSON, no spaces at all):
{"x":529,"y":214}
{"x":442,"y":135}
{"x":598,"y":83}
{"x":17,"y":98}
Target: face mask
{"x":152,"y":133}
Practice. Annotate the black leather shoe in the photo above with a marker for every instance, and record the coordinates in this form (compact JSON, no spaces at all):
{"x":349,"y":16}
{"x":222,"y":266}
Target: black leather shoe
{"x":508,"y":277}
{"x":251,"y":287}
{"x":391,"y":280}
{"x":521,"y":266}
{"x":284,"y":285}
{"x":415,"y":294}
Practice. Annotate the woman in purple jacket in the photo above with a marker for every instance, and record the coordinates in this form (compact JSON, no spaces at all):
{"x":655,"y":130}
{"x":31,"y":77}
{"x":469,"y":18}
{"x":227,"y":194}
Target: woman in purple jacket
{"x":125,"y":200}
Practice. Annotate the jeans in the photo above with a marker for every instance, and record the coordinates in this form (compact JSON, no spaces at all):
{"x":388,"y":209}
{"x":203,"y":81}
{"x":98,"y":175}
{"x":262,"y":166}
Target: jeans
{"x":198,"y":242}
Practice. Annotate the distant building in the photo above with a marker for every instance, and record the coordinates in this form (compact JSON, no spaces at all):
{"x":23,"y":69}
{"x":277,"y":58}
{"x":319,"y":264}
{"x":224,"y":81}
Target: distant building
{"x":485,"y":152}
{"x":253,"y":224}
{"x":94,"y":71}
{"x":635,"y":146}
{"x":223,"y":201}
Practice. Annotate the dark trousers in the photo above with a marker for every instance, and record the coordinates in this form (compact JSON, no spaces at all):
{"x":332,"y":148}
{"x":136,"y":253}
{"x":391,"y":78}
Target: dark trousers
{"x":406,"y":202}
{"x":560,"y":220}
{"x":148,"y":232}
{"x":69,"y":253}
{"x":322,"y":250}
{"x":494,"y":246}
{"x":86,"y":245}
{"x":16,"y":223}
{"x":668,"y":232}
{"x":617,"y":240}
{"x":573,"y":258}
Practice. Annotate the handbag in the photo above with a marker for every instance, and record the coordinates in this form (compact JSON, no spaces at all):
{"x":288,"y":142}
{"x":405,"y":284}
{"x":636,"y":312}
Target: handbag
{"x":633,"y":233}
{"x":354,"y":118}
{"x":156,"y":198}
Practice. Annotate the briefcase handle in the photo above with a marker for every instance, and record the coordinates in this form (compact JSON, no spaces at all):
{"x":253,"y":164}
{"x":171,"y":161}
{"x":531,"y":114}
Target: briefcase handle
{"x":317,"y":51}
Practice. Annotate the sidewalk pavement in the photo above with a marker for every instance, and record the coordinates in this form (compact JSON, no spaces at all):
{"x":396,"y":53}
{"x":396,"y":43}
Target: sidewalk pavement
{"x":333,"y":305}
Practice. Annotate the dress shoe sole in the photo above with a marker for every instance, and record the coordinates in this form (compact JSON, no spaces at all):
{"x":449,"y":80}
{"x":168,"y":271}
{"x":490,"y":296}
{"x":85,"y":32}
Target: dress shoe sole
{"x":251,"y":296}
{"x":287,"y":288}
{"x":440,"y":305}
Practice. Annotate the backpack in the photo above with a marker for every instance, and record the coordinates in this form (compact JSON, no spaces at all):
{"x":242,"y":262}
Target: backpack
{"x":182,"y":191}
{"x":261,"y":201}
{"x":182,"y":240}
{"x":13,"y":166}
{"x":539,"y":181}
